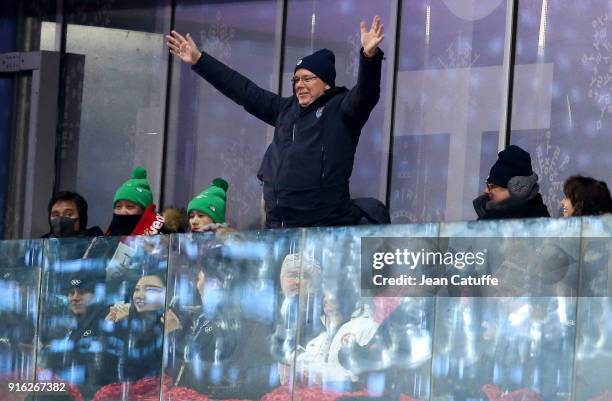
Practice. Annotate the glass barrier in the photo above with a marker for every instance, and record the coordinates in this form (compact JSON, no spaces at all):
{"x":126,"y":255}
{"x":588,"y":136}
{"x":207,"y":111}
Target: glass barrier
{"x":360,"y":342}
{"x":594,"y":322}
{"x":514,"y":340}
{"x":234,"y":302}
{"x":101,"y":324}
{"x":315,"y":314}
{"x":20,"y":266}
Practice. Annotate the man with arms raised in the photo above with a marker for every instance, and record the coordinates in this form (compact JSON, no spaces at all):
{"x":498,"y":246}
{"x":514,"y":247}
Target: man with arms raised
{"x":306,"y":169}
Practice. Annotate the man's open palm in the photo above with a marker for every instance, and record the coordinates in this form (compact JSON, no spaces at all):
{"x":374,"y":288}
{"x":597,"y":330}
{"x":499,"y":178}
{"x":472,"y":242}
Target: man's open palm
{"x":183,"y":47}
{"x":372,"y":38}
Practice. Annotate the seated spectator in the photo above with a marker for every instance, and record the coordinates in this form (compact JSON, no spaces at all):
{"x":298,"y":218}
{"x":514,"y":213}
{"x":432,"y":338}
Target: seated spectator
{"x":585,"y":196}
{"x":343,"y":323}
{"x":222,"y":351}
{"x":68,"y":217}
{"x":133,"y":208}
{"x":300,"y":280}
{"x":76,"y":351}
{"x":207,"y":210}
{"x":211,"y":337}
{"x":138,"y":329}
{"x":512,"y":189}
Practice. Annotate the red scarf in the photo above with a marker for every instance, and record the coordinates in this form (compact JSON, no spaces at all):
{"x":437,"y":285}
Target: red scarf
{"x":150,"y":223}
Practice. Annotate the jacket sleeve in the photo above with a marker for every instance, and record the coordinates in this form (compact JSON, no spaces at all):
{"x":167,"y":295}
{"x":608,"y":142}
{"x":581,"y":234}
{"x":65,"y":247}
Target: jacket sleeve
{"x":361,"y":99}
{"x":259,"y":102}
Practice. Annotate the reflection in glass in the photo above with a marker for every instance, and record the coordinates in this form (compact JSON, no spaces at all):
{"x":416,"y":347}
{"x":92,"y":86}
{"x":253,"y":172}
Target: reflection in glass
{"x":17,"y":311}
{"x":378,"y":346}
{"x":594,"y":323}
{"x":280,"y":315}
{"x":237,"y":317}
{"x":101,"y":326}
{"x":19,"y":286}
{"x":491,"y":346}
{"x":498,"y":343}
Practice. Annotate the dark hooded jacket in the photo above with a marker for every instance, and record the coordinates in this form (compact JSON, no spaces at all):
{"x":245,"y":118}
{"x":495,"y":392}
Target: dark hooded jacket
{"x":525,"y":200}
{"x":225,"y":357}
{"x":137,"y":343}
{"x":306,"y":169}
{"x":80,"y":349}
{"x":94,"y":231}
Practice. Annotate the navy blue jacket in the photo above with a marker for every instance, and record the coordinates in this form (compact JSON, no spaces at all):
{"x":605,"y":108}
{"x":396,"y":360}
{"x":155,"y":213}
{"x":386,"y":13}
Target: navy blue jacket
{"x":306,"y":169}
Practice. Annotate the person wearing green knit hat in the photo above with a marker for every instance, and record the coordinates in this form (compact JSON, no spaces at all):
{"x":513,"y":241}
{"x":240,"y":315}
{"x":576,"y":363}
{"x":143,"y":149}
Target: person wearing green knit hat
{"x":136,"y":191}
{"x":131,"y":200}
{"x":207,"y":210}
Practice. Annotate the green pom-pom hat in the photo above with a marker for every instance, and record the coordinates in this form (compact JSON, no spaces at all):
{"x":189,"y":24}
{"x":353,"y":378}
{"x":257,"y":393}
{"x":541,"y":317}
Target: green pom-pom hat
{"x":211,"y":201}
{"x":136,"y":189}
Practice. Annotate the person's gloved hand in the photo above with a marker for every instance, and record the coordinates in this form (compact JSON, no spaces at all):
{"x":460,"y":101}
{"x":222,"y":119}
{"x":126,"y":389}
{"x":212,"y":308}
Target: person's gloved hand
{"x":480,"y":204}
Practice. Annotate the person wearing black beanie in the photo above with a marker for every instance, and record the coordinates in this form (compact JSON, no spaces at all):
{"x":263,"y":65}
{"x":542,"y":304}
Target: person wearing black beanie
{"x":73,"y":338}
{"x":512,"y":189}
{"x":306,"y":169}
{"x":313,"y":76}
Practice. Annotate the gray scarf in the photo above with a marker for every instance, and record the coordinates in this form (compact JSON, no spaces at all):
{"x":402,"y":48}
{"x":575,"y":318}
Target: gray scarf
{"x":522,"y":189}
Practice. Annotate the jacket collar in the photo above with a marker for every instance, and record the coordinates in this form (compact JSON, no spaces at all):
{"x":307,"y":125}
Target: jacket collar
{"x":321,"y":100}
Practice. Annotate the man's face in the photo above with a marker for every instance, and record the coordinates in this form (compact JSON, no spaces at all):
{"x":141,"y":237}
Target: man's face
{"x":66,"y":208}
{"x":79,"y":300}
{"x":290,"y":282}
{"x":330,"y":305}
{"x":308,"y":87}
{"x":496,"y":193}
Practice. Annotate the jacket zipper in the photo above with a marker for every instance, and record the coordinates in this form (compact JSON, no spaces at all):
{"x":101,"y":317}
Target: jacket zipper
{"x":322,"y":162}
{"x":292,"y":141}
{"x":276,"y":186}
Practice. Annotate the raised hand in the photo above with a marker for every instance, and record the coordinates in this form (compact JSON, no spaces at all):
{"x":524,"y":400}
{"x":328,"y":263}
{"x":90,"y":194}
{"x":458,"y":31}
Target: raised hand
{"x":118,"y":312}
{"x":372,"y":38}
{"x":171,"y":321}
{"x":183,"y":47}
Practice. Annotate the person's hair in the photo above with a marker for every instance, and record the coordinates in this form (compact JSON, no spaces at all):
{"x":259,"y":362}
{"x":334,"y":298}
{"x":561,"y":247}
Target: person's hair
{"x":160,"y":275}
{"x":78,"y":200}
{"x":214,"y":264}
{"x":589,"y":196}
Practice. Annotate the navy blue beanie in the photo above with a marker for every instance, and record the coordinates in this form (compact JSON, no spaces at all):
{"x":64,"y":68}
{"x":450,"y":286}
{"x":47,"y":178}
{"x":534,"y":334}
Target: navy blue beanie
{"x":322,"y":64}
{"x":85,"y":281}
{"x":511,"y":162}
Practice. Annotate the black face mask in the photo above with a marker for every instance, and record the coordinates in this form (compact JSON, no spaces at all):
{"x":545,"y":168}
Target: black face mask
{"x":63,"y":226}
{"x":123,"y":224}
